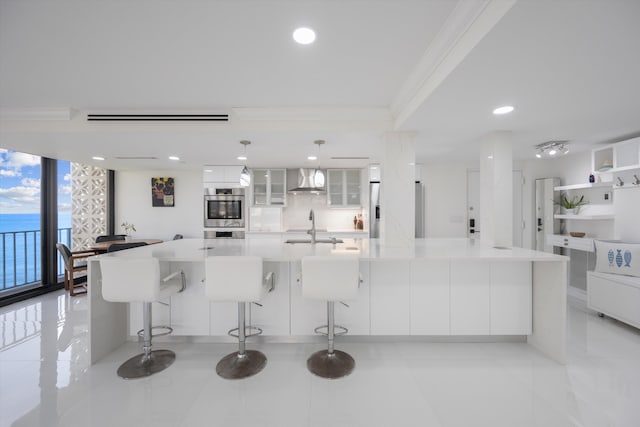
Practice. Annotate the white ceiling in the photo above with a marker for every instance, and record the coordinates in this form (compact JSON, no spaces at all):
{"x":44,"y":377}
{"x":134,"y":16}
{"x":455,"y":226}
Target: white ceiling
{"x":569,"y":66}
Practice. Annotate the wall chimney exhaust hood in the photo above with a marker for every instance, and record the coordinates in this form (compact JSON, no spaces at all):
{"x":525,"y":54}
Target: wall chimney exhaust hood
{"x":303,"y":181}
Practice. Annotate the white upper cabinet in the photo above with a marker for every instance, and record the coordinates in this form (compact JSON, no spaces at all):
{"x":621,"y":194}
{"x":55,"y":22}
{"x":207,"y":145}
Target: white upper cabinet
{"x":222,"y":174}
{"x":344,"y":187}
{"x":269,"y":187}
{"x":619,"y":157}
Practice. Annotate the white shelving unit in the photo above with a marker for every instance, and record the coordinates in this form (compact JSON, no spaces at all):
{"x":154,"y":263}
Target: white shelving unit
{"x":624,"y":156}
{"x":584,"y":217}
{"x":582,"y":186}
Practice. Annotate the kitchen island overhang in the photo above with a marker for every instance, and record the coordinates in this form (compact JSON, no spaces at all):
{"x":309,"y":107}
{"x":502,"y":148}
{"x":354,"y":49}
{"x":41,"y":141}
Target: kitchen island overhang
{"x":449,"y":288}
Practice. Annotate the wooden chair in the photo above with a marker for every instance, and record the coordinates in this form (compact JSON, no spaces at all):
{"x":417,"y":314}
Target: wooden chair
{"x":74,"y":262}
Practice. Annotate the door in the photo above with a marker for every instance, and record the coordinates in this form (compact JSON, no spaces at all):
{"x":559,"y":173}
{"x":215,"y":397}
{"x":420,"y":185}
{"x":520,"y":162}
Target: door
{"x":473,"y":206}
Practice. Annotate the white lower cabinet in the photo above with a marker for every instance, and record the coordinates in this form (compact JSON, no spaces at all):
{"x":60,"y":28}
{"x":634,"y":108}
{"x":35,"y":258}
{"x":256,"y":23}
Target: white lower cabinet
{"x":396,"y":297}
{"x":615,"y":295}
{"x":272,"y":316}
{"x":190,"y":308}
{"x":430,"y":298}
{"x":511,"y":298}
{"x":470,"y":298}
{"x":390,"y":297}
{"x":306,"y":314}
{"x":223,"y":316}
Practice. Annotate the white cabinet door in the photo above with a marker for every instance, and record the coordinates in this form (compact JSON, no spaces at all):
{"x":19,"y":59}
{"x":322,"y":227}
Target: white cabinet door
{"x":190,"y":308}
{"x":430,"y":297}
{"x":355,"y":317}
{"x":306,"y":314}
{"x":390,"y":295}
{"x":273,"y":314}
{"x":344,"y":187}
{"x":223,"y":317}
{"x":511,"y":298}
{"x":470,"y":298}
{"x":277,"y":187}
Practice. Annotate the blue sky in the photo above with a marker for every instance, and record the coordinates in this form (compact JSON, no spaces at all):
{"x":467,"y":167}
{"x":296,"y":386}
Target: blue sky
{"x":20,"y":183}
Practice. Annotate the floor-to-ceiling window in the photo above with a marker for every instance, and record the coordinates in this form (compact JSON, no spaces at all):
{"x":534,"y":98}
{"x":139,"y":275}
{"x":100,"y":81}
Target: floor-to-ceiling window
{"x":43,"y":202}
{"x":20,"y":231}
{"x":64,"y":208}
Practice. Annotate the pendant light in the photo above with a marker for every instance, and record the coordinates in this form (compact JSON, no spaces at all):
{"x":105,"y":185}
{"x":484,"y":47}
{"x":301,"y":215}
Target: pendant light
{"x":318,"y":175}
{"x":245,"y":175}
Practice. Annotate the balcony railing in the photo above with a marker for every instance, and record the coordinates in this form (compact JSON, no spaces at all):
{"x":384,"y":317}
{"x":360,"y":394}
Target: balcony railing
{"x":20,"y":257}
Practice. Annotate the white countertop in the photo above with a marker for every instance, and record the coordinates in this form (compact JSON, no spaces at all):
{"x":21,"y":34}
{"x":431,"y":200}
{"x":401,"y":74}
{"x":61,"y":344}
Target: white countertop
{"x":274,"y":249}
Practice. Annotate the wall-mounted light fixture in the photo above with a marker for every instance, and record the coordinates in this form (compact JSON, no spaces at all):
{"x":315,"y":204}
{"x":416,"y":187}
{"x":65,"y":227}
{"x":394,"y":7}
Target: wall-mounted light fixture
{"x":552,"y":149}
{"x":245,"y":175}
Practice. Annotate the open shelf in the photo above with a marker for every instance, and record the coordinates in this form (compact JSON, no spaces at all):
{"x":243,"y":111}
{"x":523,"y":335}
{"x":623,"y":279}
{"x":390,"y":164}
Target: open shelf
{"x":584,"y":217}
{"x":582,"y":186}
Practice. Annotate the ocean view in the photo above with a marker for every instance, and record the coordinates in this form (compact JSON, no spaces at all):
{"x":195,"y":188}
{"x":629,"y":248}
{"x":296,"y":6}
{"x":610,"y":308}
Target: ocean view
{"x":20,"y":247}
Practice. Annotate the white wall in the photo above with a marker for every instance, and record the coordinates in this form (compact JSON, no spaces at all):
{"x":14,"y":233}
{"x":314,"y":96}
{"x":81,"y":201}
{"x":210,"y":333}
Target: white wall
{"x":446,"y":199}
{"x":133,"y":204}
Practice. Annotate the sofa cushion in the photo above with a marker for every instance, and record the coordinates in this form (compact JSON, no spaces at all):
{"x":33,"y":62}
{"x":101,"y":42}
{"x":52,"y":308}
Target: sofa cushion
{"x":618,"y":257}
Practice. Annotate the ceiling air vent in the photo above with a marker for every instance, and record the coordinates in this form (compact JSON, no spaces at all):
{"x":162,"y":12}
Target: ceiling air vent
{"x":136,"y":158}
{"x":157,"y":117}
{"x":350,"y":158}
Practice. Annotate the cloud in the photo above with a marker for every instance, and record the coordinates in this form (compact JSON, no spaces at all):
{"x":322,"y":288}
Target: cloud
{"x":7,"y":172}
{"x":30,"y":182}
{"x":21,"y":194}
{"x":13,"y":162}
{"x":64,"y":189}
{"x":67,"y":177}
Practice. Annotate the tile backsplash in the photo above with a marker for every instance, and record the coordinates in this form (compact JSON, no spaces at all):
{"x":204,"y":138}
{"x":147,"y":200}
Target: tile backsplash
{"x":296,"y":215}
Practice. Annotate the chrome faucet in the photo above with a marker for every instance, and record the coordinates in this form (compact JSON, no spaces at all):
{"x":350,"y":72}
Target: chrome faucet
{"x":312,"y":231}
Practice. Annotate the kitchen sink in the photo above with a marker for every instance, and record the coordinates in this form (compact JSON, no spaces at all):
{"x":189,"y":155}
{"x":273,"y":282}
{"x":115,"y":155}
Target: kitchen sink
{"x":332,"y":240}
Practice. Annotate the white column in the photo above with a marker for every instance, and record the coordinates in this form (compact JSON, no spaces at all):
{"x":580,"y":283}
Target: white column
{"x":496,"y":192}
{"x":397,"y":190}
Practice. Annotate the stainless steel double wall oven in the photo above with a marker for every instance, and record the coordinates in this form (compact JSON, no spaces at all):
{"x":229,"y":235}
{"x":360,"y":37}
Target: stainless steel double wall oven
{"x":225,"y":210}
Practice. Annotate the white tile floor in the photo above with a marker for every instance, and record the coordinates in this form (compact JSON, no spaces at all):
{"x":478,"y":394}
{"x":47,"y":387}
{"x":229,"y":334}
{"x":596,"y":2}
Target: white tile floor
{"x":45,"y":380}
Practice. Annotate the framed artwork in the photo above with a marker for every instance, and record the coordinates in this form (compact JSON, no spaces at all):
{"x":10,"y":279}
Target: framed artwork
{"x":162,"y":192}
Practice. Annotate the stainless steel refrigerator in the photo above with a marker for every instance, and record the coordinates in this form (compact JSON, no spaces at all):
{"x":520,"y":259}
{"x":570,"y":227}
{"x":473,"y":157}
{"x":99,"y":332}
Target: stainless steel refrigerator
{"x":545,"y":223}
{"x":374,"y":210}
{"x":420,"y":231}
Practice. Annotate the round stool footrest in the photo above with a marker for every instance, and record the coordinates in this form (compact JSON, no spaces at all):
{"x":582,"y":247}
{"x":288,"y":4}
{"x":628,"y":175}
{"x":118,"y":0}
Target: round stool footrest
{"x":341,"y":330}
{"x":234,"y":332}
{"x":168,"y":328}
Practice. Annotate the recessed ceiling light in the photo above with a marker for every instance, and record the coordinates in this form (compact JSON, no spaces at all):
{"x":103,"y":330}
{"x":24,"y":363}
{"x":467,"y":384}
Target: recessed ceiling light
{"x":98,"y":158}
{"x":241,"y":157}
{"x":304,"y":35}
{"x":312,"y":158}
{"x":208,"y":170}
{"x":503,"y":110}
{"x":174,"y":158}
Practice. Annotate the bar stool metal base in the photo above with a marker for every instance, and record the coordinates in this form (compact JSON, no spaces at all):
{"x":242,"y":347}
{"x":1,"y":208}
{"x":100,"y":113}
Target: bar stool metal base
{"x":235,"y":366}
{"x":139,"y":367}
{"x":335,"y":365}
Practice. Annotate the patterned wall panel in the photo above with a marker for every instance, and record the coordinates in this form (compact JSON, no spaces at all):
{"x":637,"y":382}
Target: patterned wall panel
{"x":88,"y":204}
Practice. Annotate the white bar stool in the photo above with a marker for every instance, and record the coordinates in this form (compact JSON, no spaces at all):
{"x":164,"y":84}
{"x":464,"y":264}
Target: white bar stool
{"x":330,"y":278}
{"x":238,"y":279}
{"x":138,"y":280}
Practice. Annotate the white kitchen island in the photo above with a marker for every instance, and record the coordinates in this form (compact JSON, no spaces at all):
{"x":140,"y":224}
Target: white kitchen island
{"x":453,"y":289}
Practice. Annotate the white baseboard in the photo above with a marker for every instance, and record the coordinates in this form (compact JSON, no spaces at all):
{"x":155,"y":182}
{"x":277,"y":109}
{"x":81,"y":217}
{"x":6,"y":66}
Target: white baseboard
{"x":577,"y":293}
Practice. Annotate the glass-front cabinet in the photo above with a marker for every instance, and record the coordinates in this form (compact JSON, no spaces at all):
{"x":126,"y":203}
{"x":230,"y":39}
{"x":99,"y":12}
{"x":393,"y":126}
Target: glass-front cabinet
{"x":269,"y":187}
{"x":343,"y":187}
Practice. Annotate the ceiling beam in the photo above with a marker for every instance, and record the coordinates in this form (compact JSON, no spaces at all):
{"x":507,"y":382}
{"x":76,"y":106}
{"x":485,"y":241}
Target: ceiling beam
{"x":468,"y":23}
